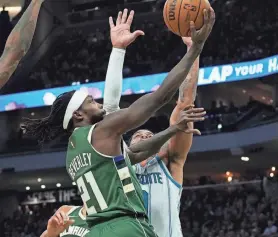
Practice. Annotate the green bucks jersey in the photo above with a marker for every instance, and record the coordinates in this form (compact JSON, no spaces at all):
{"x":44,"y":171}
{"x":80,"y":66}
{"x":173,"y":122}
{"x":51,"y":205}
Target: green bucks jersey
{"x":79,"y":228}
{"x":108,"y":185}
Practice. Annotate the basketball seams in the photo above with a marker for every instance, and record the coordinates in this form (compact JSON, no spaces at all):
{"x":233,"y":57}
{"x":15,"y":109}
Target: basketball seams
{"x":179,"y":24}
{"x":166,"y":15}
{"x":179,"y":18}
{"x":200,"y":1}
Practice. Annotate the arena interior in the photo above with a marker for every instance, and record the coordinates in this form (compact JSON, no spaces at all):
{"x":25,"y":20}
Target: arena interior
{"x":230,"y":176}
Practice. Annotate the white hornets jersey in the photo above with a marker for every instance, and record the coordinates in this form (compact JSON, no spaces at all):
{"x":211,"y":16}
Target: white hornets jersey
{"x":161,"y":197}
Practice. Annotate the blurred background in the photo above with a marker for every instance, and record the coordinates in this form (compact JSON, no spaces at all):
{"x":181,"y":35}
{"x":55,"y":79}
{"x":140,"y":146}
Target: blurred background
{"x":230,"y":177}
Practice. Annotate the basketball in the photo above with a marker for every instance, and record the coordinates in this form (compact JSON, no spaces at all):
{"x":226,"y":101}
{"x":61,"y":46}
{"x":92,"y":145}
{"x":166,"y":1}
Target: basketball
{"x":177,"y":15}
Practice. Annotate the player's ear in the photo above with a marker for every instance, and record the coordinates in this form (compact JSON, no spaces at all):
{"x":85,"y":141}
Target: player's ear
{"x":77,"y":115}
{"x":100,"y":106}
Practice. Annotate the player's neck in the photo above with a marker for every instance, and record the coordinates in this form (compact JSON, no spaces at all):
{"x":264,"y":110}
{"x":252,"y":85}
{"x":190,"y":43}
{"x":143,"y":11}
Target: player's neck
{"x":81,"y":124}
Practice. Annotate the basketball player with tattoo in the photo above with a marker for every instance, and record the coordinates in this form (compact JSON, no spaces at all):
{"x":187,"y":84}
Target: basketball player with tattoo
{"x":19,"y":41}
{"x":162,"y":175}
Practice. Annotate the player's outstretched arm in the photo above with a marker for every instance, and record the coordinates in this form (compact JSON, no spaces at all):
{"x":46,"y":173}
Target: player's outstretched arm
{"x":142,"y":109}
{"x":19,"y":41}
{"x":121,"y":37}
{"x":139,"y":151}
{"x":58,"y":223}
{"x":179,"y":145}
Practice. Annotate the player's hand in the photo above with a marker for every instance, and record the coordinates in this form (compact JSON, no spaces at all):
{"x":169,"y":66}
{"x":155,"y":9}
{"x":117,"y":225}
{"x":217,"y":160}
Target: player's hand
{"x":120,"y":33}
{"x":200,"y":36}
{"x":58,"y":223}
{"x":190,"y":114}
{"x":187,"y":41}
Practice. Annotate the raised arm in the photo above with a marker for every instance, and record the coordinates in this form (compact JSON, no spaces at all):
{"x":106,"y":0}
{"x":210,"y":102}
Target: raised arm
{"x":179,"y":145}
{"x":19,"y":41}
{"x":113,"y":81}
{"x":114,"y":76}
{"x":141,"y":110}
{"x":139,"y":151}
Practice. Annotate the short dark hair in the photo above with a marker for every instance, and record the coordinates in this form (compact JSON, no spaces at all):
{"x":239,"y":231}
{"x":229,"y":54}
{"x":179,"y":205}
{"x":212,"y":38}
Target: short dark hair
{"x":135,"y":131}
{"x":46,"y":129}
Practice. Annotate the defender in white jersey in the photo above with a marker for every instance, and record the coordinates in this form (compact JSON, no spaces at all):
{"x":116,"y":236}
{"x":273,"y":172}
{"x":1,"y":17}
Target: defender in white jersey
{"x":161,"y":177}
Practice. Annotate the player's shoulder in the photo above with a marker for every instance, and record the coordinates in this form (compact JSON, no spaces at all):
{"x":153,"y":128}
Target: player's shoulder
{"x":83,"y":129}
{"x":79,"y":134}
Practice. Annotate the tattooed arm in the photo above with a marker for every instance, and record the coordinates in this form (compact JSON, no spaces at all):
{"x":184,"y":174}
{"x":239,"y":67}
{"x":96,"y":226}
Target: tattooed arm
{"x":19,"y":41}
{"x":174,"y":153}
{"x":188,"y":89}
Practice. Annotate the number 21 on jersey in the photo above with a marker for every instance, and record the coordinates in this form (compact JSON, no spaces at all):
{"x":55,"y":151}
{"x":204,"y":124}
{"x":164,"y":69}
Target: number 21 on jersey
{"x":89,"y":190}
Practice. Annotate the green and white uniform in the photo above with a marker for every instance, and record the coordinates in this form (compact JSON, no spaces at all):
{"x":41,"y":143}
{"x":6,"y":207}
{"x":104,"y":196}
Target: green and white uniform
{"x":79,"y":228}
{"x":109,"y":189}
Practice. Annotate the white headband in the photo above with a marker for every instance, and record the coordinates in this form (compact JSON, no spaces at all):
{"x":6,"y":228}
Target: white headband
{"x":75,"y":102}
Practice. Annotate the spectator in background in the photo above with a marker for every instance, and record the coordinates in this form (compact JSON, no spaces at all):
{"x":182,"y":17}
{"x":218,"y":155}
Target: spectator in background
{"x":227,"y":211}
{"x":270,"y":229}
{"x":245,"y":30}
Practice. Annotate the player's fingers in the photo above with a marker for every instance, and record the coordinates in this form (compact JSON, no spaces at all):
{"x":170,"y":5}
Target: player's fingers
{"x":194,"y":110}
{"x":192,"y":29}
{"x":64,"y":216}
{"x":119,"y":18}
{"x":69,"y":222}
{"x":196,"y":115}
{"x":206,"y":16}
{"x":188,"y":110}
{"x":130,"y":18}
{"x":60,"y":218}
{"x":212,"y":16}
{"x":124,"y":17}
{"x":193,"y":131}
{"x":111,"y":23}
{"x":54,"y":220}
{"x":195,"y":119}
{"x":137,"y":33}
{"x":188,"y":107}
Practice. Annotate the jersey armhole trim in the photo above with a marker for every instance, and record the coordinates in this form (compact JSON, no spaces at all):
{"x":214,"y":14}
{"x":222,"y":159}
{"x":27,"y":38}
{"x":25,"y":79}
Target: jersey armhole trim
{"x":81,"y":214}
{"x":72,"y":209}
{"x":167,"y":173}
{"x":89,"y":138}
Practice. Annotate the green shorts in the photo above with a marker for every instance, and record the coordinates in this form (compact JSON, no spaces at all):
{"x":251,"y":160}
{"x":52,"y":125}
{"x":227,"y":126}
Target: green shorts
{"x":123,"y":227}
